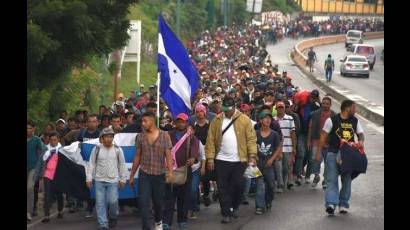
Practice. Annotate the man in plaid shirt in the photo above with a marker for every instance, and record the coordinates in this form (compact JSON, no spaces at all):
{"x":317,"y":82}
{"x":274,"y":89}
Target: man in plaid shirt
{"x":153,"y":147}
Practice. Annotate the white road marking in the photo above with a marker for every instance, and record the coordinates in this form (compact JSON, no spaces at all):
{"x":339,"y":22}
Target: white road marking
{"x":380,"y":160}
{"x":375,"y":156}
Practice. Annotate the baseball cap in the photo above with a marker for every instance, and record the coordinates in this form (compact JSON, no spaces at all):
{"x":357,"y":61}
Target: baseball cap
{"x":107,"y":131}
{"x":314,"y":93}
{"x":228,"y":104}
{"x":182,"y":116}
{"x":204,"y":101}
{"x":60,"y":120}
{"x":263,"y":114}
{"x":142,"y":85}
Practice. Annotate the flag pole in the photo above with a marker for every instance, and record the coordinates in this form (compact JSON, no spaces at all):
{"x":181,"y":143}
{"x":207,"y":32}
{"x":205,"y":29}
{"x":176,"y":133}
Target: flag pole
{"x":158,"y":82}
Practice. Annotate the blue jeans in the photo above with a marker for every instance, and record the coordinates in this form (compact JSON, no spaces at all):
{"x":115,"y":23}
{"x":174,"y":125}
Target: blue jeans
{"x":264,"y":187}
{"x":248,"y":182}
{"x":329,"y":72}
{"x":106,"y":194}
{"x":332,"y":194}
{"x":316,"y":164}
{"x":194,"y":191}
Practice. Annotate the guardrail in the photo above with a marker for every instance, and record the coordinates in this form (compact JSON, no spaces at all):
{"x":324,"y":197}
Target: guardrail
{"x":300,"y":59}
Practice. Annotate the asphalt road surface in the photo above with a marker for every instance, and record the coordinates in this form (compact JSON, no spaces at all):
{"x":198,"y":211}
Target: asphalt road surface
{"x":372,"y":88}
{"x":302,"y":208}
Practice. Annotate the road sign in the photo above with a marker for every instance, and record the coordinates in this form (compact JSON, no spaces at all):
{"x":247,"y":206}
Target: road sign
{"x":254,"y":6}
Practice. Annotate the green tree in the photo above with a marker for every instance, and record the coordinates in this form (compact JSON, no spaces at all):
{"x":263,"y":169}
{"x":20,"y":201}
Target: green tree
{"x":62,"y":34}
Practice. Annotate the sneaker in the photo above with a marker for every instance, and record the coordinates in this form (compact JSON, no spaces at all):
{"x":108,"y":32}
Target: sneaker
{"x":259,"y":211}
{"x":343,"y":210}
{"x":307,"y":180}
{"x":89,"y":215}
{"x":60,"y":215}
{"x":46,"y":219}
{"x":324,"y":185}
{"x":290,"y":186}
{"x":158,"y":226}
{"x":226,"y":220}
{"x":330,"y":210}
{"x":182,"y":225}
{"x":298,"y":182}
{"x":191,"y":215}
{"x":245,"y":201}
{"x":279,"y":190}
{"x":207,"y":201}
{"x":112,"y":222}
{"x":28,"y":217}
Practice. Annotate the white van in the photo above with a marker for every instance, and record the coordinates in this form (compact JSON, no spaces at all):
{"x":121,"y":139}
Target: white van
{"x":354,"y":37}
{"x":366,"y":50}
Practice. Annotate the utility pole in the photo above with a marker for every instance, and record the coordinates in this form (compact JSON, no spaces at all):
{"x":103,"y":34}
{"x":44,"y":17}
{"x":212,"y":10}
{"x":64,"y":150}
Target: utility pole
{"x":178,"y":16}
{"x":225,"y":12}
{"x":116,"y":73}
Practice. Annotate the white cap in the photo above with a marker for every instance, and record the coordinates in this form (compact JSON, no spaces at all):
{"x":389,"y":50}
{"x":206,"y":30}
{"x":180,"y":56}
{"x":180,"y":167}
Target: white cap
{"x":62,"y":120}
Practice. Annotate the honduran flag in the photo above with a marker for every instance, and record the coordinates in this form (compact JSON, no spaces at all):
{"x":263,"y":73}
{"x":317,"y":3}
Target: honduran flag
{"x":74,"y":160}
{"x":179,"y":76}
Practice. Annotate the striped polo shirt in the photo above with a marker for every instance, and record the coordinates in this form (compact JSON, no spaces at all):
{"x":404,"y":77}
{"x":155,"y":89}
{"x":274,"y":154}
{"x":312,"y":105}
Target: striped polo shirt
{"x":287,"y":125}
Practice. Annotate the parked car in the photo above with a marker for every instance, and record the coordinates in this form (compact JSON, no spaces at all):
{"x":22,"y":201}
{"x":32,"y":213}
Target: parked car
{"x":366,"y":50}
{"x":354,"y":65}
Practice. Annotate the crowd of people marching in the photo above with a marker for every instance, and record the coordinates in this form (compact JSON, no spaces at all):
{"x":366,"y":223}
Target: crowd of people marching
{"x":301,"y":28}
{"x":246,"y":115}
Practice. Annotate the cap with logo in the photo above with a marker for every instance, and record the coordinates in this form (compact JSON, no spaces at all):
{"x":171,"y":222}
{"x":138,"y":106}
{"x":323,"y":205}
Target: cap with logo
{"x":228,"y":104}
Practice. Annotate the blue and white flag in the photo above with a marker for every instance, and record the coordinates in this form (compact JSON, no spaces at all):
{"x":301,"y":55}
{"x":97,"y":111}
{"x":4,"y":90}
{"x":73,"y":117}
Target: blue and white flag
{"x":179,"y":77}
{"x":82,"y":156}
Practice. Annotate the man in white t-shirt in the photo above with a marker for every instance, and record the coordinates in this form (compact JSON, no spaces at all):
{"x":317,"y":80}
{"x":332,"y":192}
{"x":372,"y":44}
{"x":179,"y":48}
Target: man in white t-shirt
{"x":287,"y":126}
{"x":341,"y":127}
{"x":230,"y":146}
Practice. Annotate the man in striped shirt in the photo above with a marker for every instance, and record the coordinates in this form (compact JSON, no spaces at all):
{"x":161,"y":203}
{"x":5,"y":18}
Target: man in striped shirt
{"x":287,"y":126}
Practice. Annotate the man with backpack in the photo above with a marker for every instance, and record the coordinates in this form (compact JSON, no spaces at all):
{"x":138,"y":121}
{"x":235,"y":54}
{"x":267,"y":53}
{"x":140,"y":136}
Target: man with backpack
{"x":107,"y":168}
{"x":340,"y":128}
{"x":329,"y":67}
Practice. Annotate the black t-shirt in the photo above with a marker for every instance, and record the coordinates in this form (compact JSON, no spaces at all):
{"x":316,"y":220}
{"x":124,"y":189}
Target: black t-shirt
{"x":266,"y":146}
{"x":85,"y":135}
{"x":201,"y":132}
{"x":341,"y":129}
